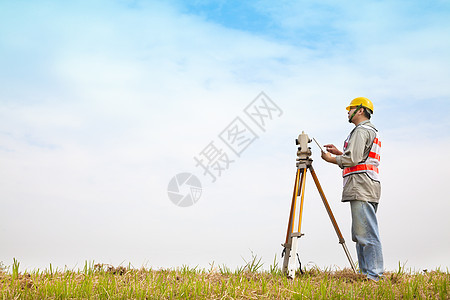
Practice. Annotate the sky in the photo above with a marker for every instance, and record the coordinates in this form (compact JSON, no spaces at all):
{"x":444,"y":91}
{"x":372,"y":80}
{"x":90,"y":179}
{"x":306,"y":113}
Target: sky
{"x":103,"y":104}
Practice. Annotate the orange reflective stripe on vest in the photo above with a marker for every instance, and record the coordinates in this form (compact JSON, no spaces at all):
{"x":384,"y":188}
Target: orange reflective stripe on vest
{"x":377,"y":141}
{"x":362,"y":167}
{"x":374,"y":155}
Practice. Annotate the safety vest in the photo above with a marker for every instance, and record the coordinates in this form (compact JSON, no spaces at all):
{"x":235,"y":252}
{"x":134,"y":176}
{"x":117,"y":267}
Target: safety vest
{"x":370,"y":165}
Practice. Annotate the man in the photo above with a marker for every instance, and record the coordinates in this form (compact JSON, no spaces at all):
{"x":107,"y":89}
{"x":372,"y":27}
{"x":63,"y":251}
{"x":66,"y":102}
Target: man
{"x":362,"y":188}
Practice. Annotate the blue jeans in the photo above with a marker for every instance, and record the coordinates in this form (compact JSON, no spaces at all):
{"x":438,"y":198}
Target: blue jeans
{"x":365,"y":234}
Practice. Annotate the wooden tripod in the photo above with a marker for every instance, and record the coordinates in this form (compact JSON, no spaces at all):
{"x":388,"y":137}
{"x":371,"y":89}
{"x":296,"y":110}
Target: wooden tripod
{"x":290,"y":245}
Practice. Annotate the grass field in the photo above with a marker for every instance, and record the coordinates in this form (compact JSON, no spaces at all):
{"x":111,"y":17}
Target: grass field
{"x":99,"y":281}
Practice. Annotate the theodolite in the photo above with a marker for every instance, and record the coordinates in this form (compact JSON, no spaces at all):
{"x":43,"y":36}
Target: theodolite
{"x":303,"y":163}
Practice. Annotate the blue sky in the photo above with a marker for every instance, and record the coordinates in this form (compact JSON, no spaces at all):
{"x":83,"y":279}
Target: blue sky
{"x":101,"y":104}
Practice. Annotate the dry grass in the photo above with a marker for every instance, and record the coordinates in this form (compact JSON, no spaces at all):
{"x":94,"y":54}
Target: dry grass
{"x":107,"y":282}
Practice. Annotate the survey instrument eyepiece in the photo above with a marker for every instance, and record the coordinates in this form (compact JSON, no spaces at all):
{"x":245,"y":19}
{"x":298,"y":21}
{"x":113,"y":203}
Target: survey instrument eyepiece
{"x":304,"y":152}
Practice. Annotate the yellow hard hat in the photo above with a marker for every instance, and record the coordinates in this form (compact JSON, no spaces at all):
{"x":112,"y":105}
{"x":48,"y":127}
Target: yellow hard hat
{"x":364,"y":102}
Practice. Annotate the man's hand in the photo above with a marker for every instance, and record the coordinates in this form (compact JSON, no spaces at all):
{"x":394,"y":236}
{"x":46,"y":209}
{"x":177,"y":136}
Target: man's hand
{"x":327,"y":156}
{"x":332,"y":149}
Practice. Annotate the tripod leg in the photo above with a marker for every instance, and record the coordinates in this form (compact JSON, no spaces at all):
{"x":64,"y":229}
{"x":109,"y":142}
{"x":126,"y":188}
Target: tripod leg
{"x":295,"y":236}
{"x":290,"y":245}
{"x":293,"y":204}
{"x":302,"y":193}
{"x":333,"y":220}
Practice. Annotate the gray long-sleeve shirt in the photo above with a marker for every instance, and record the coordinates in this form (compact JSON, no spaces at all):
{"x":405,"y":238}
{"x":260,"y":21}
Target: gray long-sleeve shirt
{"x":359,"y":186}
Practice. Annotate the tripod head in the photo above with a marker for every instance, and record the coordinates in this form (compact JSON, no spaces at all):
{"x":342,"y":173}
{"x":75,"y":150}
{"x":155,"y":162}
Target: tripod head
{"x":303,"y":152}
